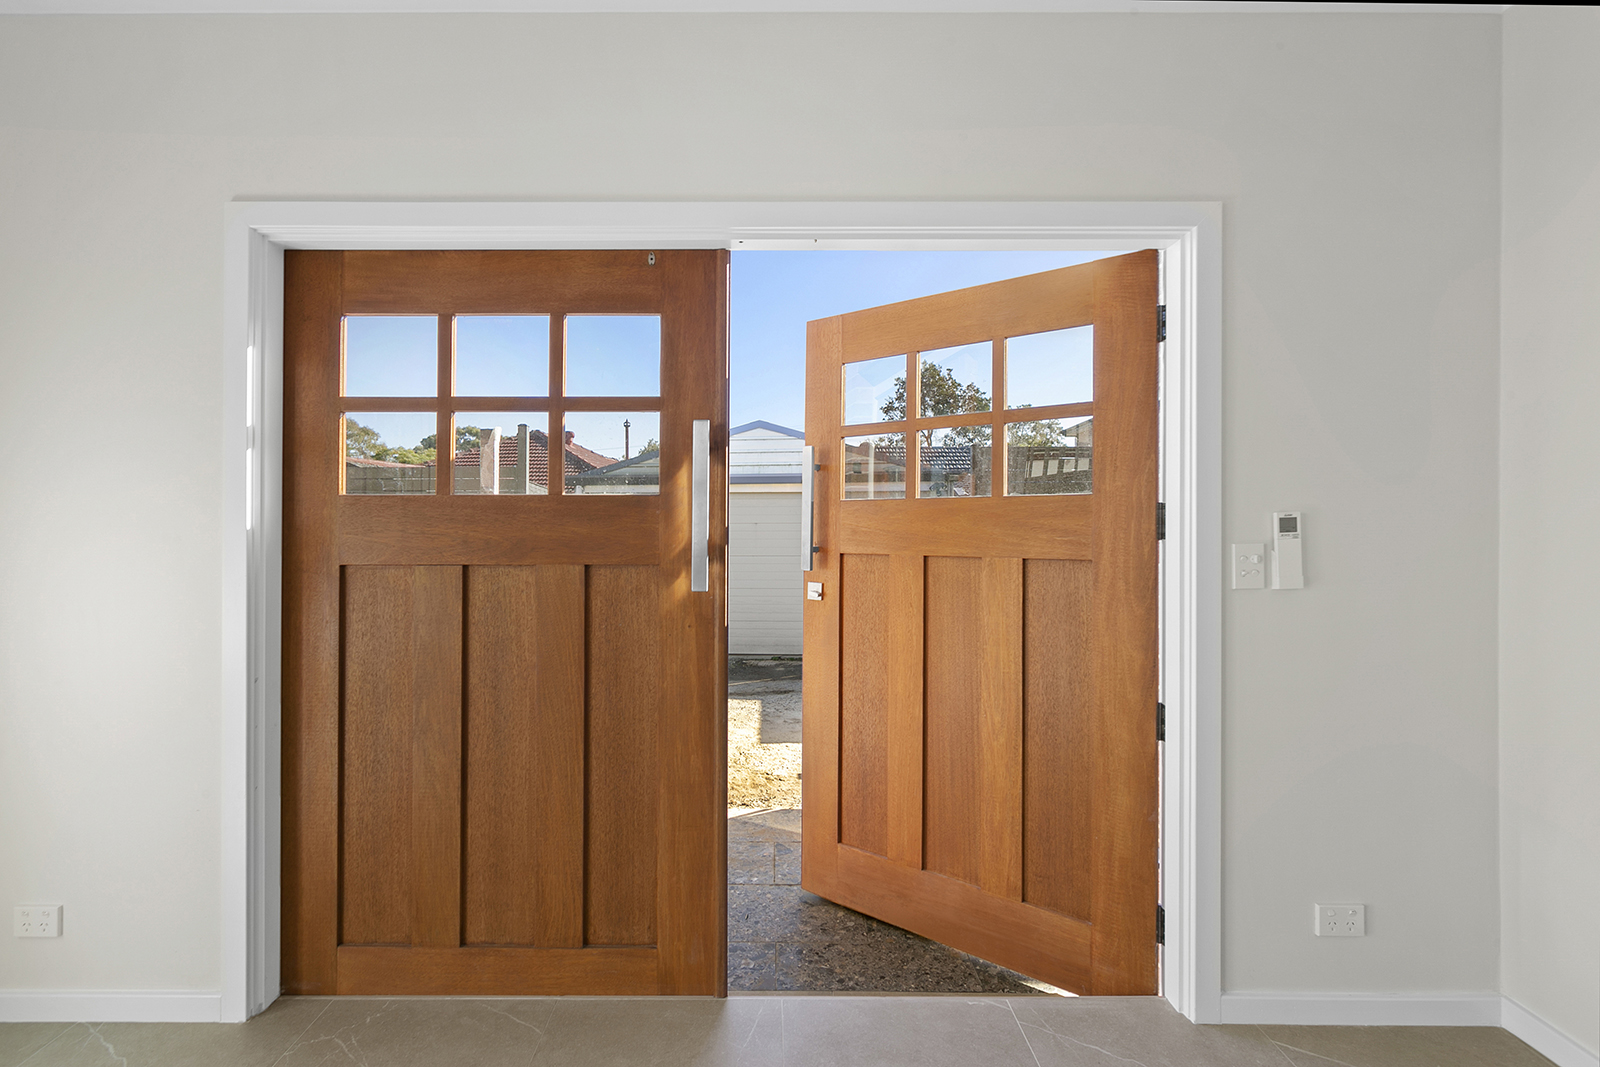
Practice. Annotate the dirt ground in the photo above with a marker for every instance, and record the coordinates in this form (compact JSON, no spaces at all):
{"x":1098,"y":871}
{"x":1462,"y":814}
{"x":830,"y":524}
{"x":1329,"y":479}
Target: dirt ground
{"x":759,"y":776}
{"x":763,"y":775}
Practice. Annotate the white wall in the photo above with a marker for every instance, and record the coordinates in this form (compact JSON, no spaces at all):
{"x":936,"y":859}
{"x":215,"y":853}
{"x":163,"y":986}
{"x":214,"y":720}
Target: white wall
{"x":1358,"y":158}
{"x":764,"y":570}
{"x":1549,"y":512}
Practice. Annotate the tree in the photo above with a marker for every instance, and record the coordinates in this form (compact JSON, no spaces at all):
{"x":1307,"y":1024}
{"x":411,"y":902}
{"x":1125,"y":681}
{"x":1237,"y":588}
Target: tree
{"x":1035,"y":434}
{"x":363,"y":441}
{"x":466,"y":437}
{"x":651,"y":445}
{"x":942,"y":394}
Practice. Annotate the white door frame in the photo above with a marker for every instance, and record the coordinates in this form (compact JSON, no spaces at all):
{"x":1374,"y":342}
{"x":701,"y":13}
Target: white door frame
{"x":256,"y":233}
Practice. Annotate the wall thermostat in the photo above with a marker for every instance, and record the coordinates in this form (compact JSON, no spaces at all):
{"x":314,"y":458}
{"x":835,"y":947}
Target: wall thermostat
{"x":1287,"y":532}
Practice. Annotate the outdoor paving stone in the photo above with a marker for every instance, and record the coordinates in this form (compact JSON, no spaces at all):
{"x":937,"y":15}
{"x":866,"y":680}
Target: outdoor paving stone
{"x":785,"y":863}
{"x":750,"y":862}
{"x":892,"y":965}
{"x":752,"y":967}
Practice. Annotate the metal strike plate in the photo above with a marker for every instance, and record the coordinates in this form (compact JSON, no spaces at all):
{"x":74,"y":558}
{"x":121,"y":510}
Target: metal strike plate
{"x":813,"y":590}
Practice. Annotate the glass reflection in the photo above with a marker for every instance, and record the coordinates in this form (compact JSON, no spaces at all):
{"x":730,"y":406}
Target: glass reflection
{"x":389,"y":453}
{"x":1050,"y":368}
{"x":501,"y":453}
{"x":956,"y":380}
{"x":874,"y":467}
{"x":613,"y":453}
{"x":502,"y":355}
{"x":391,"y":355}
{"x":875,"y":390}
{"x":613,"y":355}
{"x":1050,"y":457}
{"x":955,"y":461}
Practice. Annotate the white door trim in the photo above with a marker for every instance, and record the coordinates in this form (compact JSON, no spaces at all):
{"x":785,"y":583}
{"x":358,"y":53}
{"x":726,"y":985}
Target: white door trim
{"x":256,"y":233}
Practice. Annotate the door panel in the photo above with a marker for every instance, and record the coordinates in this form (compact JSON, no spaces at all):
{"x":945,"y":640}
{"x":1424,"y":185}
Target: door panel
{"x":980,"y":756}
{"x":504,"y":763}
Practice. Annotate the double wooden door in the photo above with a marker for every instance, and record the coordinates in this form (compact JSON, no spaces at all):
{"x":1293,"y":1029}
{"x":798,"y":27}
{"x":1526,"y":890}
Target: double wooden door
{"x":980,"y":758}
{"x":504,"y":725}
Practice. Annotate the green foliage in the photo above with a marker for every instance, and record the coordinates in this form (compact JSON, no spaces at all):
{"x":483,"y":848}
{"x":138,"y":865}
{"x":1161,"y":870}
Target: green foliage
{"x":1035,"y":434}
{"x":466,"y":437}
{"x":942,"y":394}
{"x":367,"y":443}
{"x":651,"y":445}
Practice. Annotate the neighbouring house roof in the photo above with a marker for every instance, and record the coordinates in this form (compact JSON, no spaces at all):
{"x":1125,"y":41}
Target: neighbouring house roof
{"x":771,"y":426}
{"x":576,"y":459}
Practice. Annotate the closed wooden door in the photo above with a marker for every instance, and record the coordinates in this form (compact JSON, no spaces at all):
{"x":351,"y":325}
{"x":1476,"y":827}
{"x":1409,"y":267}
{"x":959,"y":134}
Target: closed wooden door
{"x":980,"y":685}
{"x":503,"y":694}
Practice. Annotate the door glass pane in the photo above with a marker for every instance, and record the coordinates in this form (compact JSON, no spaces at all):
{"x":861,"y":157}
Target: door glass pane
{"x":391,"y":355}
{"x":389,"y":452}
{"x":502,"y":355}
{"x":613,"y":355}
{"x":1049,"y":458}
{"x":954,"y":462}
{"x":874,"y":467}
{"x":501,"y":453}
{"x":613,"y":452}
{"x":1050,"y":368}
{"x":957,"y":380}
{"x":875,"y":390}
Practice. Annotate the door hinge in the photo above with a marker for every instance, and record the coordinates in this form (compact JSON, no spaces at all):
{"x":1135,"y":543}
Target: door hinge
{"x":1161,"y":721}
{"x":1161,"y":925}
{"x":1161,"y":323}
{"x":1161,"y":522}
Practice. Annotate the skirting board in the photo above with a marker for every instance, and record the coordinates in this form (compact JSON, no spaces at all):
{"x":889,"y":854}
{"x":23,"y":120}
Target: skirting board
{"x":108,"y":1006}
{"x":1544,"y":1038}
{"x":1407,"y":1009}
{"x":1362,"y":1009}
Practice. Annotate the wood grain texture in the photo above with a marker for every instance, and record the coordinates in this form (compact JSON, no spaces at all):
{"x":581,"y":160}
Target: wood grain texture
{"x":1123,"y":882}
{"x":691,"y":873}
{"x":436,"y":756}
{"x":498,"y":530}
{"x":622,"y":789}
{"x":376,"y":835}
{"x":906,"y":725}
{"x":622,"y":628}
{"x":1057,"y":647}
{"x":1039,"y":774}
{"x":867,"y":622}
{"x":524,"y":770}
{"x":1057,"y":526}
{"x":999,"y":659}
{"x":953,"y":789}
{"x":495,"y":972}
{"x":310,"y":665}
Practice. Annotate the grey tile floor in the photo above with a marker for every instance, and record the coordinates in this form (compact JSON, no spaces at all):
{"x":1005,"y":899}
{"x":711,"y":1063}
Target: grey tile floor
{"x":758,"y":1030}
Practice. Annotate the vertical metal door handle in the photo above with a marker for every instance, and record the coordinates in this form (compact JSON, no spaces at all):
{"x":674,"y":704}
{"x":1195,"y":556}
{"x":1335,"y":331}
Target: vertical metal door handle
{"x":808,"y":466}
{"x":700,"y":510}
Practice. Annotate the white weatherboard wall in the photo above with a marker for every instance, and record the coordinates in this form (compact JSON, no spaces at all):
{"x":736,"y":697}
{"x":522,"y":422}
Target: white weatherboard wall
{"x":1549,"y":512}
{"x":764,"y":462}
{"x":1358,"y":160}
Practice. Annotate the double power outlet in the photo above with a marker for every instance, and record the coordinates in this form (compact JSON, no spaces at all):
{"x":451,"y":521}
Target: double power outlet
{"x":37,"y":920}
{"x":1341,"y":920}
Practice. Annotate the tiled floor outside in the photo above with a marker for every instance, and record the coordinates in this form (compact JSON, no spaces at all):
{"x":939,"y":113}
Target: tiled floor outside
{"x":747,"y":1031}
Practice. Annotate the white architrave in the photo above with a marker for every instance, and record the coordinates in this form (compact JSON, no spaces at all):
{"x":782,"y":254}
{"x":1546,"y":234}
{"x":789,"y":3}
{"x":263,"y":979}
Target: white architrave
{"x":1191,"y":563}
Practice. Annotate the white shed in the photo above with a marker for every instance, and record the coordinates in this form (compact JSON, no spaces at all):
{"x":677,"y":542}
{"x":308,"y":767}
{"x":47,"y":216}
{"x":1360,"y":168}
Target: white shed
{"x":764,"y":588}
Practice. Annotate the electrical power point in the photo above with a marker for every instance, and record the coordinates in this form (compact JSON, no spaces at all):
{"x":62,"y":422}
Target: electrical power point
{"x":1341,"y":920}
{"x":37,"y":920}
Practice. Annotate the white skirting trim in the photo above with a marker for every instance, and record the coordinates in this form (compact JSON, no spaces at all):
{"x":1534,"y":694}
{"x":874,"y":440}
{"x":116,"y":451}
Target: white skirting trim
{"x":108,"y":1006}
{"x":1362,"y":1009}
{"x":1545,"y":1039}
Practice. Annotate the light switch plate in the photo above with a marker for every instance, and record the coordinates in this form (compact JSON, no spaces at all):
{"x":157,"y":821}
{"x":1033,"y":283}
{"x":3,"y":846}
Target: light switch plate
{"x":1250,"y":566}
{"x":36,"y":920}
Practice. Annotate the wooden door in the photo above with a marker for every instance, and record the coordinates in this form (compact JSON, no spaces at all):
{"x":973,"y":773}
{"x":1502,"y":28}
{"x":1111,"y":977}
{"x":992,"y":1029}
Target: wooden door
{"x":503,"y":718}
{"x":980,"y":684}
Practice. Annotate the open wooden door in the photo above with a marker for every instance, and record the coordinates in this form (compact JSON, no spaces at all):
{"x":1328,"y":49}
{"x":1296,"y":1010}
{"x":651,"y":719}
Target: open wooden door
{"x":980,"y":758}
{"x":503,"y":661}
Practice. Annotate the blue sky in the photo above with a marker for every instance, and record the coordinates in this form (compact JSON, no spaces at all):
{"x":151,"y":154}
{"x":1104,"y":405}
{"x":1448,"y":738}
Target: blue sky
{"x":774,"y":295}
